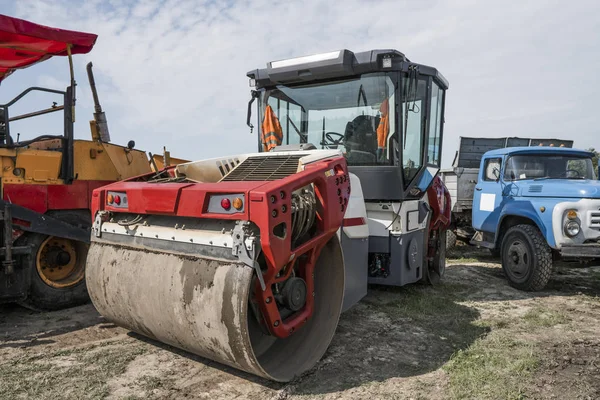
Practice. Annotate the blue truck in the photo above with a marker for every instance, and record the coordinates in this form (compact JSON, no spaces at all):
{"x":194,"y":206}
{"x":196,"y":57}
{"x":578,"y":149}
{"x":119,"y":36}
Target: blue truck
{"x":461,"y":179}
{"x":535,"y":205}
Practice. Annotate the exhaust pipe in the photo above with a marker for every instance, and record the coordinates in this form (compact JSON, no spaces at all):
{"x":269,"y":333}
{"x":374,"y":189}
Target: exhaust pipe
{"x":100,"y":130}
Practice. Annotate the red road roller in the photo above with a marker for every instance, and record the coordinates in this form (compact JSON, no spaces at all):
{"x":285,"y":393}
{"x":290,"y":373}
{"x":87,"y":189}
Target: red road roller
{"x":234,"y":259}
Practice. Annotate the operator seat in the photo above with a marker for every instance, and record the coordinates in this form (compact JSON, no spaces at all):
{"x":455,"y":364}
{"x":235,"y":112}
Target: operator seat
{"x":361,"y":134}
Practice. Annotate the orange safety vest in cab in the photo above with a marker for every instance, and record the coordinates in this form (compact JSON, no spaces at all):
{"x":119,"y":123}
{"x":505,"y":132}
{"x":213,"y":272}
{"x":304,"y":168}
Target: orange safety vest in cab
{"x":384,"y":125}
{"x":272,"y":135}
{"x":383,"y":129}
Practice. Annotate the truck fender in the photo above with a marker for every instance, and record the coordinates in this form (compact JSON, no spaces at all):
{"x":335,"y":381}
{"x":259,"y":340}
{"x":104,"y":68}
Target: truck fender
{"x":521,"y":211}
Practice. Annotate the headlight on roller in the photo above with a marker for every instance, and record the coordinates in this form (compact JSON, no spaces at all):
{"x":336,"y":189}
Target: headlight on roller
{"x":572,"y":228}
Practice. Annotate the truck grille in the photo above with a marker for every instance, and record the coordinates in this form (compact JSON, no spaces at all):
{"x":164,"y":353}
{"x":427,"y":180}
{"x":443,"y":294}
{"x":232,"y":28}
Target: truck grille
{"x":535,"y":189}
{"x":595,"y":220}
{"x":265,"y":168}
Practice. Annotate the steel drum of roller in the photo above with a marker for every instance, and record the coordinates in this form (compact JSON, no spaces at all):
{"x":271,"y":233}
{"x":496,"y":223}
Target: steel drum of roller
{"x":201,"y":304}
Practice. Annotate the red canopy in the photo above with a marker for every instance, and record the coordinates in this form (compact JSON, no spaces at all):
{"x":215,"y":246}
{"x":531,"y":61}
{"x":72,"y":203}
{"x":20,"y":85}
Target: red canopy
{"x":23,"y":43}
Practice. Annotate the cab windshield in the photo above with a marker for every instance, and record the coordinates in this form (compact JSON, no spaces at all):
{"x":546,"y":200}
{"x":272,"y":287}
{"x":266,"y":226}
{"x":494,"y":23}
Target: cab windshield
{"x":551,"y":166}
{"x":355,"y":115}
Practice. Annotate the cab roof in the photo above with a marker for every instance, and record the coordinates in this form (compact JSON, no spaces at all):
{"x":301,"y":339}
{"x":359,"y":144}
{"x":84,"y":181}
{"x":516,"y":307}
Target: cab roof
{"x":537,"y":150}
{"x":336,"y":64}
{"x":24,"y":43}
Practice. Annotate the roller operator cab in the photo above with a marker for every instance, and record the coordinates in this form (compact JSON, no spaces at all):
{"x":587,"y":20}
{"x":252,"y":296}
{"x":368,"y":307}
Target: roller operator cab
{"x":533,"y":205}
{"x":386,"y":114}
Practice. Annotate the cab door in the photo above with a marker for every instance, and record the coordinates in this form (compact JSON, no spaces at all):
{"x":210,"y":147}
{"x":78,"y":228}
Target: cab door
{"x":487,"y":196}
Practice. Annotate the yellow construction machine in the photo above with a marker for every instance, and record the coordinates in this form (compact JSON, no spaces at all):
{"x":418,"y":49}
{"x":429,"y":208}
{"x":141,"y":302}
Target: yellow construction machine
{"x":47,"y":181}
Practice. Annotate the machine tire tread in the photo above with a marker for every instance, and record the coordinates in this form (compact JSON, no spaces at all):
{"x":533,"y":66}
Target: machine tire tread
{"x":438,"y":262}
{"x":542,"y":262}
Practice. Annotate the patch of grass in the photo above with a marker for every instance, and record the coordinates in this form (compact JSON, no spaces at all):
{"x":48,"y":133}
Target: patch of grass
{"x":587,"y":299}
{"x":595,"y":274}
{"x":469,"y":254}
{"x":423,"y":303}
{"x":541,"y":317}
{"x":41,"y":377}
{"x":495,"y":323}
{"x":537,"y":317}
{"x":150,"y":383}
{"x":494,"y":367}
{"x":464,"y":260}
{"x":436,"y":309}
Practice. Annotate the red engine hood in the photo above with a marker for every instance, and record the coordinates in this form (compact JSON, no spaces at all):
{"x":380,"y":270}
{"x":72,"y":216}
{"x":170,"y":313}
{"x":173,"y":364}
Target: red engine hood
{"x":23,"y":43}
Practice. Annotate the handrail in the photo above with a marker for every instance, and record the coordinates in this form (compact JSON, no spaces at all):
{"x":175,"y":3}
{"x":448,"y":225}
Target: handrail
{"x":36,"y":113}
{"x":31,"y":89}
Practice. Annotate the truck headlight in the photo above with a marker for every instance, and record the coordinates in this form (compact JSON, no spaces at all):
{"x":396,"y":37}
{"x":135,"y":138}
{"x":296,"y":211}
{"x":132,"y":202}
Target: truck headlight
{"x":572,"y":228}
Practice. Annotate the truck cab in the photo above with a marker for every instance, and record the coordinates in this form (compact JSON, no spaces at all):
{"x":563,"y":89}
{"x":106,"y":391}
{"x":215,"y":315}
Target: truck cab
{"x":533,"y":205}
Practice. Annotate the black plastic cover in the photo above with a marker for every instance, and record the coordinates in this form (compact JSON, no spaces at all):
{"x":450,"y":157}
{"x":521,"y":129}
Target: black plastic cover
{"x":345,"y":64}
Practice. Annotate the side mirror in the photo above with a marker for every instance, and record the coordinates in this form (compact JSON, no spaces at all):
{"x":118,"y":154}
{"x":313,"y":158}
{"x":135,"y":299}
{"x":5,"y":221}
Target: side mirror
{"x":253,"y":96}
{"x":130,"y":145}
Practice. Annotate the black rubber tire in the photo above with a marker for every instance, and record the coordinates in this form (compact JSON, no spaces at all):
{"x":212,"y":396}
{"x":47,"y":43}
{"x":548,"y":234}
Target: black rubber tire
{"x":538,"y":262}
{"x":41,"y":295}
{"x":451,"y":238}
{"x":436,"y":269}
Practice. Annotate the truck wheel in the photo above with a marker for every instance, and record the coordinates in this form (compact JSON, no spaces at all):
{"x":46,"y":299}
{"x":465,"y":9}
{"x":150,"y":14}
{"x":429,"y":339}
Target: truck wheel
{"x":57,"y":268}
{"x":450,"y":238}
{"x":526,"y":258}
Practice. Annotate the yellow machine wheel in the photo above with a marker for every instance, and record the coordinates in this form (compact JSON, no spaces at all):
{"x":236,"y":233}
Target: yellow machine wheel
{"x":57,"y":266}
{"x":60,"y":262}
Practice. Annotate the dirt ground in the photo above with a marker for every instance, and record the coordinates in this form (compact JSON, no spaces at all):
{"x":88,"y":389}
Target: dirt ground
{"x":473,"y":336}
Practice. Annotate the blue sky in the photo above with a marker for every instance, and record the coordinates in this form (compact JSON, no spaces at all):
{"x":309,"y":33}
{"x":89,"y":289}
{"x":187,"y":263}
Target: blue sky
{"x":173,"y":72}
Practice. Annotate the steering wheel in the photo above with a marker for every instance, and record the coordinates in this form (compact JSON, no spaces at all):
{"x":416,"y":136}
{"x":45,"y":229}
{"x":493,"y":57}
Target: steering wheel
{"x":331,"y":139}
{"x":333,"y":143}
{"x":572,"y":170}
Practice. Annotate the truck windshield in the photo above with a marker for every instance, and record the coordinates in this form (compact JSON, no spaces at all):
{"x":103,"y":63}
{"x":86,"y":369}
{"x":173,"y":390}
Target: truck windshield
{"x":356,"y":115}
{"x":551,"y":166}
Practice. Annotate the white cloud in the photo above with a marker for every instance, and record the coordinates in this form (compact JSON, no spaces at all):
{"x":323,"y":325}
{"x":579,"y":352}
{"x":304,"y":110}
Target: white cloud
{"x":174,"y":72}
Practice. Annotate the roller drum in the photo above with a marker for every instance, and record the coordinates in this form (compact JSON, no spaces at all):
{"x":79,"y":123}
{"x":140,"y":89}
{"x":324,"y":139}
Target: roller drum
{"x":201,"y":305}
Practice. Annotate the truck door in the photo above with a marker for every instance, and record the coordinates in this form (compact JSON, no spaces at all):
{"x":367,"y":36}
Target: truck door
{"x":488,"y":195}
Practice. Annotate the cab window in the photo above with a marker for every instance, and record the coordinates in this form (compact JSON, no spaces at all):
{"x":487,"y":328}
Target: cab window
{"x":435,"y":126}
{"x":414,"y":98}
{"x":492,"y":169}
{"x":356,"y":115}
{"x":290,"y":118}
